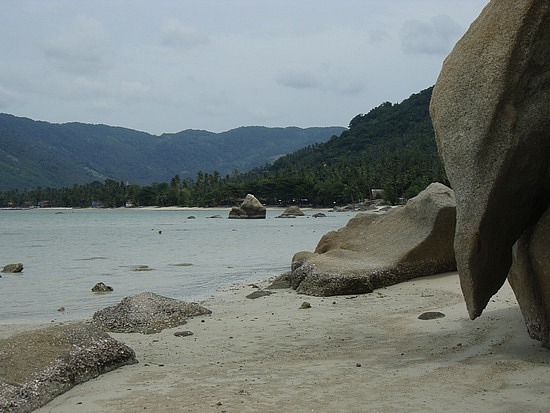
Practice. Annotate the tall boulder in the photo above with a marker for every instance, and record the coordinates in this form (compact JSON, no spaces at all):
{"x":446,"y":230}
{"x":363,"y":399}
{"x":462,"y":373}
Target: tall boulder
{"x":375,"y":251}
{"x":250,"y":208}
{"x":491,"y":113}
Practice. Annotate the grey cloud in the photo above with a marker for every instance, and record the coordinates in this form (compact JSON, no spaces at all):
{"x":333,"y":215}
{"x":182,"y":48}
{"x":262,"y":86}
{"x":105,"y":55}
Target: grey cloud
{"x":85,"y":48}
{"x":176,"y":34}
{"x":297,"y":79}
{"x":436,"y":36}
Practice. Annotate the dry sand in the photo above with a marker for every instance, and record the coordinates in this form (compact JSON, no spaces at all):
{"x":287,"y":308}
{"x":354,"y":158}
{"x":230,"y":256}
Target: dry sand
{"x":366,"y":353}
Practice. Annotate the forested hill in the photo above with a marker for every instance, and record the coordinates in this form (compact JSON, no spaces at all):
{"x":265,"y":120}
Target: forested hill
{"x":391,"y":147}
{"x":34,"y":153}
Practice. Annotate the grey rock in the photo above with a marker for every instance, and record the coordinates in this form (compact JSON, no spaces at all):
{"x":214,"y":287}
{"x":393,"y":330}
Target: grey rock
{"x":375,"y":251}
{"x":292,"y":211}
{"x":39,"y":365}
{"x":101,"y":288}
{"x":258,"y":294}
{"x":431,"y":315}
{"x":13,"y":268}
{"x":491,"y":114}
{"x":146,"y":313}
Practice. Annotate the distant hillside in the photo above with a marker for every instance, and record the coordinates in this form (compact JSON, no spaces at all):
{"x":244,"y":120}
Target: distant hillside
{"x":391,"y":147}
{"x":34,"y":153}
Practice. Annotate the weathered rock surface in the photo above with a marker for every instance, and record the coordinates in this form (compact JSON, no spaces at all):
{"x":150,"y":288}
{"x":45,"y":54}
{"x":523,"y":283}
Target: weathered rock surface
{"x":146,"y":313}
{"x":491,"y":114}
{"x":36,"y":366}
{"x":13,"y":268}
{"x":374,"y":251}
{"x":250,"y":208}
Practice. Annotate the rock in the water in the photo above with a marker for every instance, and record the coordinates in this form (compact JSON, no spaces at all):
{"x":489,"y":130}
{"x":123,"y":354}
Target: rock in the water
{"x":292,"y":211}
{"x":375,"y":251}
{"x":39,"y":365}
{"x":146,"y":313}
{"x":319,"y":215}
{"x":13,"y":268}
{"x":250,"y":208}
{"x":101,"y":288}
{"x":491,"y":114}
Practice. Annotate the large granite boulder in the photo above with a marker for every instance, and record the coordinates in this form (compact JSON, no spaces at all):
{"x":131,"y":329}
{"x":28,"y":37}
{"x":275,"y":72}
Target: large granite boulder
{"x":38,"y":365}
{"x":250,"y":208}
{"x":491,"y":114}
{"x":146,"y":313}
{"x":374,"y":251}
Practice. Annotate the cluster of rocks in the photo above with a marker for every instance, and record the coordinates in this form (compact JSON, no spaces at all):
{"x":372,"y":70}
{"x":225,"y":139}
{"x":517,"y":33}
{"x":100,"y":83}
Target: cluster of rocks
{"x":251,"y":208}
{"x":491,"y":114}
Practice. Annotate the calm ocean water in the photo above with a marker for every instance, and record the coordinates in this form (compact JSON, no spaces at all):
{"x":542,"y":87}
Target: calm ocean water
{"x":66,"y":252}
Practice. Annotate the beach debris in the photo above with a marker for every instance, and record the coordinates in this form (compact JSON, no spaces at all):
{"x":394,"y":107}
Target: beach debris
{"x":13,"y":268}
{"x":305,"y":305}
{"x":257,"y":294}
{"x":185,"y":333}
{"x":146,"y":313}
{"x":41,"y":364}
{"x":431,"y":315}
{"x":101,"y":288}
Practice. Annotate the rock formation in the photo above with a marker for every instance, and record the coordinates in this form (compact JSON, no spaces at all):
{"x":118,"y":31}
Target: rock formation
{"x":491,"y":114}
{"x":292,"y":212}
{"x":374,"y":251}
{"x":146,"y":313}
{"x":250,"y":208}
{"x":101,"y":288}
{"x":41,"y":364}
{"x":13,"y":268}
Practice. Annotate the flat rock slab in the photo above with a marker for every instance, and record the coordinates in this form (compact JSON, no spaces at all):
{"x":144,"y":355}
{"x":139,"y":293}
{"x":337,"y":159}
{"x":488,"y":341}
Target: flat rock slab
{"x":146,"y":313}
{"x":36,"y":366}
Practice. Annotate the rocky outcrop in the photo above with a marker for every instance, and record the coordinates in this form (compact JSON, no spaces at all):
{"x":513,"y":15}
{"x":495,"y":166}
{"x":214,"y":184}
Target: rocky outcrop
{"x":491,"y":114}
{"x":250,"y":208}
{"x":39,"y":365}
{"x":146,"y":313}
{"x":292,"y":212}
{"x":374,"y":251}
{"x":13,"y":268}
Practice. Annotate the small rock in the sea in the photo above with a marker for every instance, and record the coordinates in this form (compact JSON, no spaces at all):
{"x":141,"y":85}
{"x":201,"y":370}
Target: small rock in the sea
{"x":431,"y":315}
{"x":142,"y":268}
{"x":183,"y":333}
{"x":305,"y":305}
{"x":101,"y":288}
{"x":258,"y":294}
{"x":13,"y":268}
{"x":191,"y":217}
{"x":357,"y":364}
{"x":183,"y":264}
{"x":61,"y":309}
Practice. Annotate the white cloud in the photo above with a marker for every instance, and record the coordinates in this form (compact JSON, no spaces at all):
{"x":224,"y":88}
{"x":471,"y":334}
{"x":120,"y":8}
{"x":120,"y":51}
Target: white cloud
{"x":84,"y":48}
{"x":436,"y":36}
{"x":176,"y":34}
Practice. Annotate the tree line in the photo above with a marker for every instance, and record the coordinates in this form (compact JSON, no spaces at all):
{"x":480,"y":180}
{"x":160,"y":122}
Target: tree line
{"x":390,"y":148}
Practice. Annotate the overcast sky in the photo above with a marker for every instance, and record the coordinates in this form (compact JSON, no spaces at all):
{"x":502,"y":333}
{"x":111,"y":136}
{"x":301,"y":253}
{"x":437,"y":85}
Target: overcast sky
{"x":169,"y":65}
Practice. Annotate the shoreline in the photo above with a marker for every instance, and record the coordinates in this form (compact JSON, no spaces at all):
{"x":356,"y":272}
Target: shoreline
{"x":346,"y":353}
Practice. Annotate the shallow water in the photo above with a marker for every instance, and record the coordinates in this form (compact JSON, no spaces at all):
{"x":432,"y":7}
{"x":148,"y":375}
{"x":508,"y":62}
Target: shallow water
{"x":65,"y":253}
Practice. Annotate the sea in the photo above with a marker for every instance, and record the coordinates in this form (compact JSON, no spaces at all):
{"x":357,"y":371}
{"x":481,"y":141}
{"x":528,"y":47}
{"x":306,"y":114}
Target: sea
{"x":182,"y":254}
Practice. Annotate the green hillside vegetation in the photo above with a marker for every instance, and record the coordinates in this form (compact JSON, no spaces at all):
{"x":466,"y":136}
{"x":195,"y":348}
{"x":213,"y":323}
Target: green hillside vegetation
{"x":40,"y":154}
{"x":392,"y":147}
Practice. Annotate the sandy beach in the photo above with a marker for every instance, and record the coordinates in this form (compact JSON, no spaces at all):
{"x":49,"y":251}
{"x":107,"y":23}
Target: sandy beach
{"x":366,"y":353}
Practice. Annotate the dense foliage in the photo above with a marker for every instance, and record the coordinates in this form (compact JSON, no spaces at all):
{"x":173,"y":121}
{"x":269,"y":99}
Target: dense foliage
{"x":391,"y":148}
